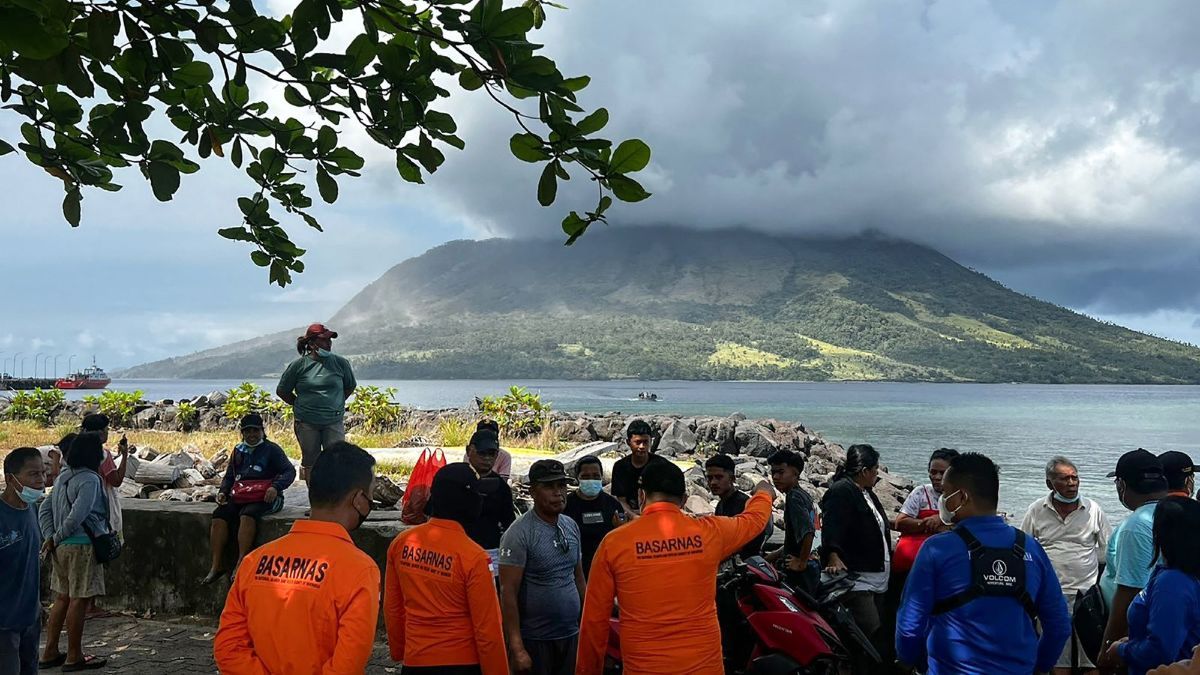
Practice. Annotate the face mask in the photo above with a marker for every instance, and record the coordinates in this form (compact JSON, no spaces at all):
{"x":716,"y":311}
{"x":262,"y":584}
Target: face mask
{"x":362,"y":517}
{"x":590,"y":488}
{"x":944,"y":511}
{"x":1063,"y":500}
{"x":324,"y":353}
{"x":247,"y":448}
{"x":29,"y":495}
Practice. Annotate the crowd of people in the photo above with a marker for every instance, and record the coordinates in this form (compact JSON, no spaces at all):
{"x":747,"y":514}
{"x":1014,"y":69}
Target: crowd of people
{"x":477,"y":589}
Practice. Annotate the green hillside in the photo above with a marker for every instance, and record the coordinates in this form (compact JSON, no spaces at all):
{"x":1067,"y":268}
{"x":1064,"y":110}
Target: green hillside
{"x":668,"y":303}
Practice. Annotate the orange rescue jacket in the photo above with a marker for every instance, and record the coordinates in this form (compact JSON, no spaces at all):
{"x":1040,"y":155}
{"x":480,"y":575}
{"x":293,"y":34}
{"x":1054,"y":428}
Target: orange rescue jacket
{"x":662,"y":568}
{"x":307,"y":602}
{"x":440,"y":601}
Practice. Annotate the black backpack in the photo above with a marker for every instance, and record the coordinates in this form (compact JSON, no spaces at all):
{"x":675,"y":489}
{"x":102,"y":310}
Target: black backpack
{"x":995,"y":573}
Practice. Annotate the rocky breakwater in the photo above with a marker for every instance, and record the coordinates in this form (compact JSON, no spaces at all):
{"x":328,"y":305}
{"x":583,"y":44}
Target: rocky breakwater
{"x":690,"y":440}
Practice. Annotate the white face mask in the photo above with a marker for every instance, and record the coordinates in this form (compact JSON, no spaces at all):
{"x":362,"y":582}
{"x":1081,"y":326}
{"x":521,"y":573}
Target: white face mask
{"x":1063,"y":500}
{"x":944,"y":512}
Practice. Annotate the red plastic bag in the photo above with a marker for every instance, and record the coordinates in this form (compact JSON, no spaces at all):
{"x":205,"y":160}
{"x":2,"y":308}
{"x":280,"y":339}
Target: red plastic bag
{"x":416,"y":495}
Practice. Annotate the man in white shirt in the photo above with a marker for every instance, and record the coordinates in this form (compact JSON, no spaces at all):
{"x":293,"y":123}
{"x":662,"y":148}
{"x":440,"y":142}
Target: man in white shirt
{"x":1074,"y":533}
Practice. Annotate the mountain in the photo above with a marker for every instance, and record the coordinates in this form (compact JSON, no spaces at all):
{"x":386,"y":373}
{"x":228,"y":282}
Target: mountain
{"x":672,"y":303}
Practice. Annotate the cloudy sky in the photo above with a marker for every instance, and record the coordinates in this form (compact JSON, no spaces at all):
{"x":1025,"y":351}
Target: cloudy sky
{"x":1053,"y":145}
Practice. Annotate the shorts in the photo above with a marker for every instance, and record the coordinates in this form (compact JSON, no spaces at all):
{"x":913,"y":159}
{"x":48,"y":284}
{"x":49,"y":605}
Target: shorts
{"x":230,"y":512}
{"x":313,"y":438}
{"x":76,"y":573}
{"x":19,"y":650}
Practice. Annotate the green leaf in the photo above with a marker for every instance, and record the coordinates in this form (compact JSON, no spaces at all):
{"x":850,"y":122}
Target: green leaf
{"x":627,"y":189}
{"x":71,"y":206}
{"x":164,"y":180}
{"x":548,"y":185}
{"x":35,"y":36}
{"x":293,"y":96}
{"x":594,"y":122}
{"x":261,"y":259}
{"x":326,"y":139}
{"x":65,"y":109}
{"x":192,"y":74}
{"x":346,"y":159}
{"x":102,"y":35}
{"x":527,"y":147}
{"x":577,"y":83}
{"x":630,"y":157}
{"x":5,"y":148}
{"x":236,"y":233}
{"x":510,"y":23}
{"x":469,"y":80}
{"x":326,"y":185}
{"x":408,"y":169}
{"x":236,"y":155}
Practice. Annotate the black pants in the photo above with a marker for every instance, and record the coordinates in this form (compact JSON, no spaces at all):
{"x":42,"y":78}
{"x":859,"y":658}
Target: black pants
{"x":441,"y":670}
{"x":553,"y":657}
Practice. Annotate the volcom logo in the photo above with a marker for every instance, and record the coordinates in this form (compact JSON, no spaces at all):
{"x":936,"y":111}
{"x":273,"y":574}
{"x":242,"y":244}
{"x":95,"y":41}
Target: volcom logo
{"x":999,"y":568}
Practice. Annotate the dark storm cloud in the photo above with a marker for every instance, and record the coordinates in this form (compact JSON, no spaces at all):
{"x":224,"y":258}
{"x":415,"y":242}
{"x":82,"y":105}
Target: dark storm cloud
{"x":1053,"y":143}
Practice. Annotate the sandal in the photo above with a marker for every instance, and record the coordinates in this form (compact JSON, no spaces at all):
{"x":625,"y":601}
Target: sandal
{"x":212,"y":576}
{"x":53,"y":663}
{"x":88,"y":663}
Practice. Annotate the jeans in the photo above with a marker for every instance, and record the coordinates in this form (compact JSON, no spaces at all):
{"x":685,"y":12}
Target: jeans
{"x":314,"y":438}
{"x":19,"y":650}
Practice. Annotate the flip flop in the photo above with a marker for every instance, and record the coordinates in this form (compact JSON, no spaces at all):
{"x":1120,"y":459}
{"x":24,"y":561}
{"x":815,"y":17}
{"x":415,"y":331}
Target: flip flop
{"x":54,"y":662}
{"x":88,"y":663}
{"x":212,"y":576}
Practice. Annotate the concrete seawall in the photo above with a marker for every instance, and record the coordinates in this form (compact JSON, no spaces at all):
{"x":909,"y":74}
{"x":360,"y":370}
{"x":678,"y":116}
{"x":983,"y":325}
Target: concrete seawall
{"x":167,"y":553}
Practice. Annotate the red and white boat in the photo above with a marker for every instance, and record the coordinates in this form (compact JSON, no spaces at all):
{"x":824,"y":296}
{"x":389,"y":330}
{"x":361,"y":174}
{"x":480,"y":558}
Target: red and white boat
{"x":90,"y":378}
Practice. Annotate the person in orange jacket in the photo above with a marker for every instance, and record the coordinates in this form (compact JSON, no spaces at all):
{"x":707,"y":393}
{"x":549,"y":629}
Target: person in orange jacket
{"x":440,"y":603}
{"x":308,"y":602}
{"x":662,"y":569}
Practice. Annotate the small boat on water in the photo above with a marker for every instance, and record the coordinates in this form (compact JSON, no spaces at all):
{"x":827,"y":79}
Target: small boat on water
{"x":89,"y":378}
{"x":647,"y":396}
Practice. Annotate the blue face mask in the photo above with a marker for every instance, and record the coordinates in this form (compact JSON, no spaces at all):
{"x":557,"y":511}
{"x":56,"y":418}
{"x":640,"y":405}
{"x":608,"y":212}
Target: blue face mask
{"x":324,"y":353}
{"x":1063,"y":500}
{"x":29,"y":495}
{"x":590,"y":488}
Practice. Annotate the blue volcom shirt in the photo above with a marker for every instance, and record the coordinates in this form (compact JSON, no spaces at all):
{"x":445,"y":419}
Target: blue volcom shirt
{"x":987,"y":636}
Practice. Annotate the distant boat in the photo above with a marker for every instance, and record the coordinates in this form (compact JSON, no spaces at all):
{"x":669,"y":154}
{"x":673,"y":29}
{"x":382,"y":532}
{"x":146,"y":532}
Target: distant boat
{"x":647,"y":396}
{"x":89,"y":378}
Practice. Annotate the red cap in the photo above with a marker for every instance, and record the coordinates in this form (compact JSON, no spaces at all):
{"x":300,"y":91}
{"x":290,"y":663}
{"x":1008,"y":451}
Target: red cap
{"x":319,"y":330}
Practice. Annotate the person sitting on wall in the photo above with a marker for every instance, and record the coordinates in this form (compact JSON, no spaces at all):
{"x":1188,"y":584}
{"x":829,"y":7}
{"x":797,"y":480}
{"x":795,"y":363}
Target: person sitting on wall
{"x":253,"y":487}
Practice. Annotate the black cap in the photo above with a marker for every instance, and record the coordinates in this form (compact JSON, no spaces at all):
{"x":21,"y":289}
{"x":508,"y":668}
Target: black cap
{"x":1141,"y":470}
{"x":1177,"y":466}
{"x":251,"y":421}
{"x":454,"y":480}
{"x":664,"y":478}
{"x":548,"y":471}
{"x":485,"y":439}
{"x":94,"y":422}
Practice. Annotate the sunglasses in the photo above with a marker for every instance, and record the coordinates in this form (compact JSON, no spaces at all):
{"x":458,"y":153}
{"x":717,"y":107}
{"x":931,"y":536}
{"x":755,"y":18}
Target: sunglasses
{"x":560,"y":540}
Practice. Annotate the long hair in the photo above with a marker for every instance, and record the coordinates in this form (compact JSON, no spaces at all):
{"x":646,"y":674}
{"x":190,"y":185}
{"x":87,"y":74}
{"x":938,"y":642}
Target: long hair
{"x":1176,"y":520}
{"x":302,"y":345}
{"x":859,"y":458}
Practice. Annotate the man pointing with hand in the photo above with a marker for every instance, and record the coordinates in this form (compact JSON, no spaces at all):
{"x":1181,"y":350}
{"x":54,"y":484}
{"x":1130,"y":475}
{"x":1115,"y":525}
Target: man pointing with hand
{"x":662,"y":569}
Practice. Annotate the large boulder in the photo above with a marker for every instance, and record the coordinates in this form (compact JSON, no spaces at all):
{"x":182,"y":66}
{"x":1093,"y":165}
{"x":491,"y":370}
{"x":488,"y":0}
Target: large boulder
{"x":386,"y":491}
{"x":609,"y":428}
{"x":145,"y":419}
{"x":574,"y":431}
{"x":677,"y":439}
{"x":699,"y":506}
{"x":892,"y":490}
{"x":754,"y":440}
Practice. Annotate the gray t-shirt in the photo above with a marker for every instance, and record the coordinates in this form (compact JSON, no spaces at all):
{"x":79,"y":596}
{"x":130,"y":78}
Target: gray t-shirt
{"x":548,"y":599}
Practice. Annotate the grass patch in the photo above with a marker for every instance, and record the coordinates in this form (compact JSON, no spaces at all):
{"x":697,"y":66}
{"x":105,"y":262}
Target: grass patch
{"x":740,"y":356}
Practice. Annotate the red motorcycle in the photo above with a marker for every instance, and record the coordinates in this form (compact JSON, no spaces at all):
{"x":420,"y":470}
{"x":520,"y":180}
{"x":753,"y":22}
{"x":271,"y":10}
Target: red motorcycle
{"x":769,"y":628}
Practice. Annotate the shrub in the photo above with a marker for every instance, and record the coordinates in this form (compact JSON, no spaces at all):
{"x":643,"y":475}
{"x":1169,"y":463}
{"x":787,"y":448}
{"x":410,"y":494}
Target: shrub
{"x":454,"y":432}
{"x":119,"y":406}
{"x":520,"y":412}
{"x":188,"y":415}
{"x":36,"y":406}
{"x":249,"y":397}
{"x":377,"y":407}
